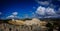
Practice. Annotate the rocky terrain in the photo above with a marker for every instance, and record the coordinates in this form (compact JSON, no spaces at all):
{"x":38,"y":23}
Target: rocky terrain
{"x":28,"y":25}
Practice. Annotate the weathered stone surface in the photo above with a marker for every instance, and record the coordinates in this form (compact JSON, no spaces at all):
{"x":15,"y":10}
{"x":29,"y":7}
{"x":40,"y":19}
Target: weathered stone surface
{"x":9,"y":27}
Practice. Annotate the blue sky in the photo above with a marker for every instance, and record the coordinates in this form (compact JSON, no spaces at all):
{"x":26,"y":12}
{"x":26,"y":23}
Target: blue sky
{"x":30,"y":8}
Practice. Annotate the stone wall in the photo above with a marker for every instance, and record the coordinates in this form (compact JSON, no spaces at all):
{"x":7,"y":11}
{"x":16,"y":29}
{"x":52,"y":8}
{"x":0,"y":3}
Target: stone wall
{"x":10,"y":27}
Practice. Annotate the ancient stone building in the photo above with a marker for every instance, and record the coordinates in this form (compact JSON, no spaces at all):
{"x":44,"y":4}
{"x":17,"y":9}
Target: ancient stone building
{"x":31,"y":25}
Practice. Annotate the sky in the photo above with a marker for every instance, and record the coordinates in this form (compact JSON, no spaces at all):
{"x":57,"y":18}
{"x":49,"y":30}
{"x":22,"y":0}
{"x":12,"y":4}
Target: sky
{"x":29,"y":9}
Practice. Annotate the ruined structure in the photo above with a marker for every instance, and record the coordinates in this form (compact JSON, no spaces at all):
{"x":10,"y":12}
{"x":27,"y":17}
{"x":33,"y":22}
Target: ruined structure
{"x":28,"y":25}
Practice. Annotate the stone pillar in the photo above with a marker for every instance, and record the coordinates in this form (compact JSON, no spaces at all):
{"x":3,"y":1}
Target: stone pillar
{"x":12,"y":19}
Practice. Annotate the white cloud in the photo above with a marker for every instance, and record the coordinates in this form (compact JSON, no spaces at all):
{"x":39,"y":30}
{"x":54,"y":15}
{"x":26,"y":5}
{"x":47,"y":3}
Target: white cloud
{"x":0,"y":13}
{"x":43,"y":2}
{"x":58,"y":11}
{"x":53,"y":6}
{"x":46,"y":3}
{"x":40,"y":10}
{"x":11,"y":16}
{"x":43,"y":11}
{"x":15,"y":13}
{"x":47,"y":16}
{"x":55,"y":16}
{"x":50,"y":11}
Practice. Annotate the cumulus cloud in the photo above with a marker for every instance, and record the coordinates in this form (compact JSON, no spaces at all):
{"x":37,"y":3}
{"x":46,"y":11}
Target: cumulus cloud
{"x":46,"y":3}
{"x":53,"y":6}
{"x":11,"y":16}
{"x":0,"y":13}
{"x":43,"y":2}
{"x":15,"y":13}
{"x":58,"y":11}
{"x":55,"y":16}
{"x":43,"y":11}
{"x":40,"y":10}
{"x":50,"y":11}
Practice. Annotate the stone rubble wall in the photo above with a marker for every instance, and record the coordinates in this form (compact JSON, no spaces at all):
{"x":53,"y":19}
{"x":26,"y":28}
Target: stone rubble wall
{"x":9,"y":27}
